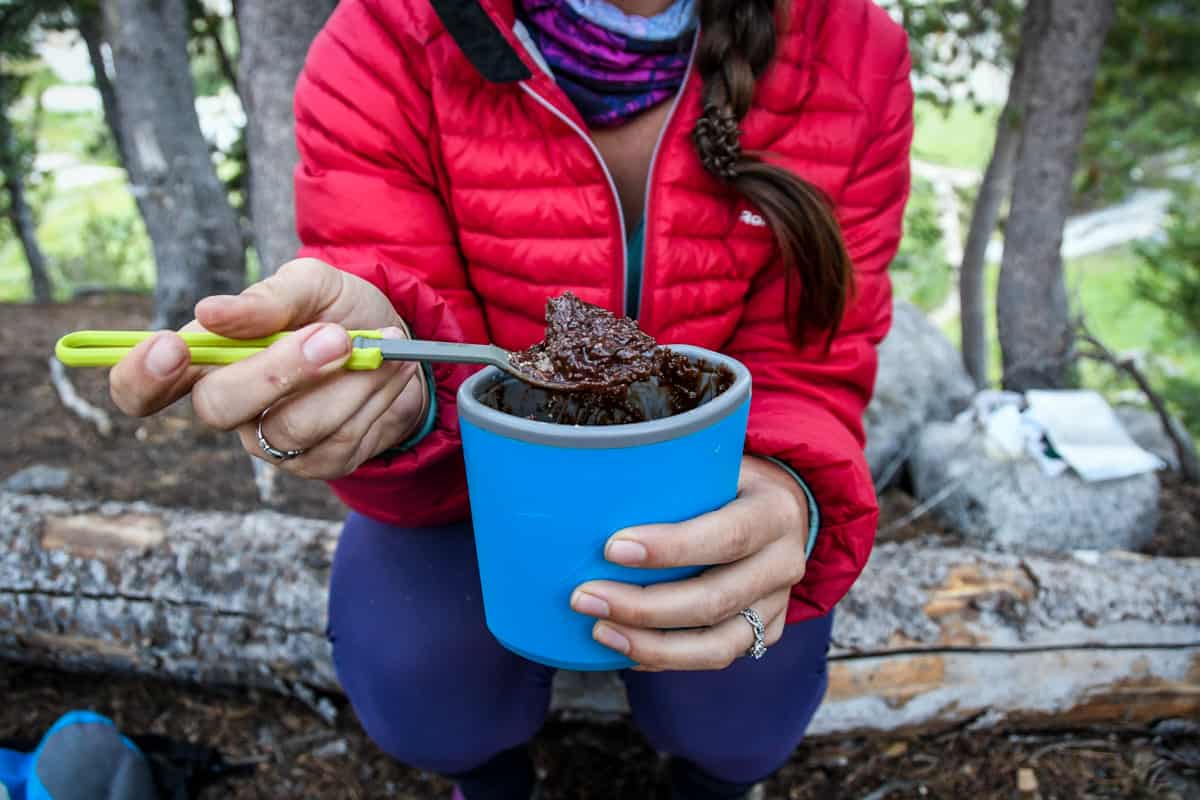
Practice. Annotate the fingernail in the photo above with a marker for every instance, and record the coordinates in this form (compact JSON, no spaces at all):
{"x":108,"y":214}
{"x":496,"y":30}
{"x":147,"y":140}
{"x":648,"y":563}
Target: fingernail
{"x":166,"y":356}
{"x":219,"y":298}
{"x":610,"y":638}
{"x":623,"y":551}
{"x":326,"y":344}
{"x":589,"y":604}
{"x":214,"y":302}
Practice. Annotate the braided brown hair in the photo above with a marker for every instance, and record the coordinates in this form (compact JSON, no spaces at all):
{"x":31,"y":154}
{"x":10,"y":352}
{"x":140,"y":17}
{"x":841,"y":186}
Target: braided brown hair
{"x":737,"y":43}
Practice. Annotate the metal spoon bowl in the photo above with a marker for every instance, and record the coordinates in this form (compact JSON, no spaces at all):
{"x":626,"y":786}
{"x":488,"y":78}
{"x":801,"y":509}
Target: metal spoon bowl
{"x":453,"y":352}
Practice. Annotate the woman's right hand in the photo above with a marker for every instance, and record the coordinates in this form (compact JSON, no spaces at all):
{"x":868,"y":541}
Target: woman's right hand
{"x":339,"y":418}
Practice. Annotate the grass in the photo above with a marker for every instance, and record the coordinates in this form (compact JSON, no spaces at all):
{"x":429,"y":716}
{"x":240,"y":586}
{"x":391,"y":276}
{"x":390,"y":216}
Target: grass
{"x":919,"y":272}
{"x":1102,"y":286}
{"x":80,"y":135}
{"x":960,"y":137}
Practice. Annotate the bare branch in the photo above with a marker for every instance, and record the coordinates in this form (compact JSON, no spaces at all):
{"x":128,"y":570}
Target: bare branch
{"x":938,"y":498}
{"x":76,"y":404}
{"x":1185,"y":450}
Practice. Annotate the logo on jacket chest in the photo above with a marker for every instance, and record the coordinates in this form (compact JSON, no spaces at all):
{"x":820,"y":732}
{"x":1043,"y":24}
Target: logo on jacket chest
{"x":748,"y":217}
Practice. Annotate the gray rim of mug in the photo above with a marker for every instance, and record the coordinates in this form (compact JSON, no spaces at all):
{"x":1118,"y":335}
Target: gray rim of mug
{"x":605,"y":436}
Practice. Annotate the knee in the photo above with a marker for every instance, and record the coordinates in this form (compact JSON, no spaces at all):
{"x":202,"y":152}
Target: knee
{"x":417,"y":709}
{"x":427,"y":681}
{"x":734,"y":748}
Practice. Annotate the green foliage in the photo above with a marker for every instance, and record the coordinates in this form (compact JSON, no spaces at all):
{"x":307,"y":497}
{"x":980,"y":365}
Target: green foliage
{"x":1147,"y":99}
{"x":213,"y":49}
{"x":1183,"y":397}
{"x":1170,"y":281}
{"x":18,"y":21}
{"x":212,"y":46}
{"x":950,"y":38}
{"x":1171,"y":277}
{"x":111,"y":250}
{"x":919,"y":272}
{"x":19,"y":72}
{"x":75,"y":255}
{"x":82,"y":134}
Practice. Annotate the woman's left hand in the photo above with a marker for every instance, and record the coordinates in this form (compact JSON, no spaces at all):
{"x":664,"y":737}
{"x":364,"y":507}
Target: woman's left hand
{"x":757,"y":543}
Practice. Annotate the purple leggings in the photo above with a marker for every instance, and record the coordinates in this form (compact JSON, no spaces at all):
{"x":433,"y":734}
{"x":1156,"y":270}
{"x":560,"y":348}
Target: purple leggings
{"x":436,"y":691}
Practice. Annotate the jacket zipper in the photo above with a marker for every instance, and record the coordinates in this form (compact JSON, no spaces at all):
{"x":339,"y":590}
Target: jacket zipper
{"x":662,"y":134}
{"x":612,"y":184}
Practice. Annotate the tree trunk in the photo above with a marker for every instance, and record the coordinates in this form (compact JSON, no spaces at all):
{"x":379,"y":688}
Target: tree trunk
{"x":274,"y":41}
{"x":928,"y":637}
{"x":993,"y":191}
{"x":93,"y":37}
{"x":1032,"y":312}
{"x":21,"y":216}
{"x":197,"y":244}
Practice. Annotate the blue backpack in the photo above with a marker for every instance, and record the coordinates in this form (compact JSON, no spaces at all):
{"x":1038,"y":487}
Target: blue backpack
{"x":84,"y":757}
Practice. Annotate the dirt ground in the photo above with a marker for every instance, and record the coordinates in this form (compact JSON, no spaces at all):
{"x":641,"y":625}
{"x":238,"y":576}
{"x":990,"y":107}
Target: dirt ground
{"x":173,"y":461}
{"x":295,"y":756}
{"x":169,"y":459}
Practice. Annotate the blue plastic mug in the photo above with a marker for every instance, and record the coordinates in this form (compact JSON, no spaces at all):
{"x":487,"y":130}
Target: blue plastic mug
{"x":545,"y":499}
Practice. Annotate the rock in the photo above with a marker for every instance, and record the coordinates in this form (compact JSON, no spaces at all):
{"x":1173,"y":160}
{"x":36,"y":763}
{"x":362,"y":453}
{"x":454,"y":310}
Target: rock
{"x":1012,"y":504}
{"x":1027,"y":782}
{"x":595,"y":695}
{"x":921,"y":379}
{"x":1146,"y":429}
{"x":37,"y":478}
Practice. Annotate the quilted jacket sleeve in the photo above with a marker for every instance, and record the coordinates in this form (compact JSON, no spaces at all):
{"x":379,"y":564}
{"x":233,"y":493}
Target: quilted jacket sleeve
{"x":808,"y":405}
{"x":367,"y":203}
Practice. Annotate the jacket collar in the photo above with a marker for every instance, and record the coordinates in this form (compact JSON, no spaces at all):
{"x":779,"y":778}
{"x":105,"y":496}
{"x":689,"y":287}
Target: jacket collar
{"x":483,"y":31}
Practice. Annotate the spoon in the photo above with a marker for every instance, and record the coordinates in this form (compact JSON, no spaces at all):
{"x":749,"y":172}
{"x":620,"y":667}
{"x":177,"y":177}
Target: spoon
{"x":370,"y":350}
{"x":453,"y":352}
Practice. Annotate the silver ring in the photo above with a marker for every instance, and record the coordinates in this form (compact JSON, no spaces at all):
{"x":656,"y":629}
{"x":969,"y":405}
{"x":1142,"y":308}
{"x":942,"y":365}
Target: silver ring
{"x":274,"y":452}
{"x":759,"y":648}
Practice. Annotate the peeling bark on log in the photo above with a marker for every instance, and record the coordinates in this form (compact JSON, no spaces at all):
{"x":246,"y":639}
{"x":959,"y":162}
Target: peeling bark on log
{"x":929,"y":637}
{"x":214,"y":598}
{"x":938,"y":637}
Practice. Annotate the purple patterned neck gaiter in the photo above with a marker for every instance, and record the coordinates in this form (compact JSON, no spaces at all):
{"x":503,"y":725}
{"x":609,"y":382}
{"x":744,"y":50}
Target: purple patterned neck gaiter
{"x":611,"y":77}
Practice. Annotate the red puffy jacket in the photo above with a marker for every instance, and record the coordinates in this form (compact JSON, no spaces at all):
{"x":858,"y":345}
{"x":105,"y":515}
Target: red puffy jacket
{"x":439,"y":162}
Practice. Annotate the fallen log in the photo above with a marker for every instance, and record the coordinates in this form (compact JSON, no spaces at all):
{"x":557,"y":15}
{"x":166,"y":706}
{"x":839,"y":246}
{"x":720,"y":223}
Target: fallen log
{"x":929,"y":637}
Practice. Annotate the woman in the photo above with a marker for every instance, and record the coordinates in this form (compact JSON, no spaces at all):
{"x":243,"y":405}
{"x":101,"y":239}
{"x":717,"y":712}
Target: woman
{"x":732,"y":173}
